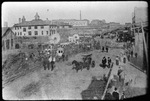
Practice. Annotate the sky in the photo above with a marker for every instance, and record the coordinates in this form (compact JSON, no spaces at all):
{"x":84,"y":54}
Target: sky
{"x":110,"y":11}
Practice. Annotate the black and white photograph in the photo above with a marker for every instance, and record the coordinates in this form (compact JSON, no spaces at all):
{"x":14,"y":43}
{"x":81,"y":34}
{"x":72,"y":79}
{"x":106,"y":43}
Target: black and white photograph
{"x":74,"y":50}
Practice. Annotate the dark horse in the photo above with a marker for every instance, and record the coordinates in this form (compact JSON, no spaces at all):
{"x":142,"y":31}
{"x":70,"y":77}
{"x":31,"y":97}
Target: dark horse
{"x":81,"y":65}
{"x":77,"y":65}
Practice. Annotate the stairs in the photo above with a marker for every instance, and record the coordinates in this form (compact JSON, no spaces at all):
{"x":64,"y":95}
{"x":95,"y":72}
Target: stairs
{"x":95,"y":89}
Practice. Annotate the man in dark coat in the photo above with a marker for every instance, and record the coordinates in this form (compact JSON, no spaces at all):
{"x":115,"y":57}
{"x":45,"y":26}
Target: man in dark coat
{"x":117,"y":60}
{"x":102,"y":48}
{"x":53,"y":63}
{"x":107,"y":49}
{"x":109,"y":62}
{"x":104,"y":61}
{"x":63,"y":57}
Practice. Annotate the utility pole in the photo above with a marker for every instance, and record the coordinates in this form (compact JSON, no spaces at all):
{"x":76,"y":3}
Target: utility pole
{"x":80,"y":15}
{"x":145,"y":45}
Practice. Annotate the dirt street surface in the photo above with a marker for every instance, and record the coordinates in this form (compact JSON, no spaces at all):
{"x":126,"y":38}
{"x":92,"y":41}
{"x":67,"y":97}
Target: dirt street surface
{"x":65,"y":83}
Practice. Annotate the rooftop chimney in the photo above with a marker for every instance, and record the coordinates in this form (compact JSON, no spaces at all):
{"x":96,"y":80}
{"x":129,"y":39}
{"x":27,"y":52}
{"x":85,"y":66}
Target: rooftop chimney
{"x":23,"y":19}
{"x":5,"y":24}
{"x":37,"y":16}
{"x":19,"y":20}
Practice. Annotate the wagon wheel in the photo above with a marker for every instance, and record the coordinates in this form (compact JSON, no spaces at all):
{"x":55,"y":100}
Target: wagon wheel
{"x":93,"y":64}
{"x":88,"y":67}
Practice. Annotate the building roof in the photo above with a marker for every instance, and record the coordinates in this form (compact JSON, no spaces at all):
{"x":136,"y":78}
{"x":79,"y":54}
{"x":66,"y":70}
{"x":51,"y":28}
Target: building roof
{"x":33,"y":22}
{"x":87,"y":27}
{"x":40,"y":23}
{"x":4,"y":29}
{"x":69,"y":20}
{"x":6,"y":32}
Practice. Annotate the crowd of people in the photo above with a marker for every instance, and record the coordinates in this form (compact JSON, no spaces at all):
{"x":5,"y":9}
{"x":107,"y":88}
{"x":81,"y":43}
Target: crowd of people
{"x":105,"y":49}
{"x":106,"y":62}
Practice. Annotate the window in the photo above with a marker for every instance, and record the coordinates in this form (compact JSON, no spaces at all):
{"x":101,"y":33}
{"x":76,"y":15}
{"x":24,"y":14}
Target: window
{"x":35,"y":27}
{"x":51,"y":31}
{"x":11,"y":42}
{"x":42,"y":32}
{"x":29,"y":33}
{"x":7,"y":44}
{"x":29,"y":27}
{"x":17,"y":46}
{"x":31,"y":46}
{"x":35,"y":32}
{"x":20,"y":33}
{"x":24,"y":29}
{"x":42,"y":27}
{"x":15,"y":33}
{"x":47,"y":32}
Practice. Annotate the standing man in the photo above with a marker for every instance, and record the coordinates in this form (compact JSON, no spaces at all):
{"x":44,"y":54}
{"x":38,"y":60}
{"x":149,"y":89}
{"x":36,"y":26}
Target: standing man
{"x":49,"y":62}
{"x":124,"y":58}
{"x":104,"y":61}
{"x":107,"y":49}
{"x":109,"y":62}
{"x":52,"y":63}
{"x":120,"y":70}
{"x":117,"y":60}
{"x":102,"y":48}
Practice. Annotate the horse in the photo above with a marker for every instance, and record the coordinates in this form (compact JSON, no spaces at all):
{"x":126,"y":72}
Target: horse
{"x":77,"y":65}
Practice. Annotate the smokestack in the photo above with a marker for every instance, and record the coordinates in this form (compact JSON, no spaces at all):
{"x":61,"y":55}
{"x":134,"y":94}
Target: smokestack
{"x":80,"y":14}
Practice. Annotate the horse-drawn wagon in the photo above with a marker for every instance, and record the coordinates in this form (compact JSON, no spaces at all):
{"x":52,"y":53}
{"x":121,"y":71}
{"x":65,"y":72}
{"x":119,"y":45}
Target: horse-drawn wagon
{"x":86,"y":63}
